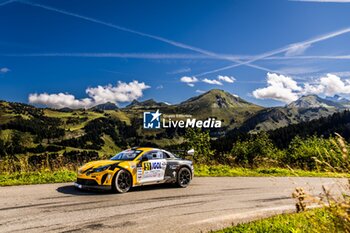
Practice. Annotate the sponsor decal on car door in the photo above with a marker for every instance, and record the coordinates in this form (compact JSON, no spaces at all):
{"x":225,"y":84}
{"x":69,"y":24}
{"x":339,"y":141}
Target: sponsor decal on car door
{"x":153,"y":170}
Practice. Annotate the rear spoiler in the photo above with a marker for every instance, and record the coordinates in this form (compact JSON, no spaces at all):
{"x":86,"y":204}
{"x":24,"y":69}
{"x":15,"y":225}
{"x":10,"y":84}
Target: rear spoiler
{"x":189,"y":152}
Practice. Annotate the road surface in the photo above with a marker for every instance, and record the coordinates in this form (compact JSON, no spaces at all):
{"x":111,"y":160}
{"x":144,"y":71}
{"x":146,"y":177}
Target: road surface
{"x":207,"y":204}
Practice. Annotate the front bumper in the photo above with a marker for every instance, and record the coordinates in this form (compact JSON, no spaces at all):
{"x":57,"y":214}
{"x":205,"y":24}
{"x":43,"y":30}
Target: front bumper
{"x":90,"y":184}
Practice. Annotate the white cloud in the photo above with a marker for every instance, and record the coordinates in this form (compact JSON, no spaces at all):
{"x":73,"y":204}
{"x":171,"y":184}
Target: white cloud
{"x":282,"y":81}
{"x":280,"y":87}
{"x":212,"y":81}
{"x":122,"y":92}
{"x":160,"y":87}
{"x":328,"y":85}
{"x":296,"y":49}
{"x":60,"y":100}
{"x":285,"y":89}
{"x":200,"y":91}
{"x":186,"y":79}
{"x":189,"y":80}
{"x":226,"y":79}
{"x":4,"y":70}
{"x":276,"y":93}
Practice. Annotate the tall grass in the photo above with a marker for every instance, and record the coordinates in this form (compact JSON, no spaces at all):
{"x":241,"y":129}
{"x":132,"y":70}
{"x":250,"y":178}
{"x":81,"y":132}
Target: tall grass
{"x":336,"y":159}
{"x":22,"y":164}
{"x":290,"y":223}
{"x":19,"y":171}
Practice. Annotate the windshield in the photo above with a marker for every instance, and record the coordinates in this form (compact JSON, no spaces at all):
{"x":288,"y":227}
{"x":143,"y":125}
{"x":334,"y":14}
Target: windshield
{"x":126,"y":155}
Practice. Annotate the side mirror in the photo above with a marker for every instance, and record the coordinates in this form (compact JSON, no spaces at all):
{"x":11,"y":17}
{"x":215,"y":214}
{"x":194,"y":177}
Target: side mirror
{"x":144,"y":159}
{"x":190,"y":152}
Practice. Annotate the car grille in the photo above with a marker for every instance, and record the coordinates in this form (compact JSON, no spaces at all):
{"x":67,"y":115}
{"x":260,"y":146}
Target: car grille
{"x":86,"y":182}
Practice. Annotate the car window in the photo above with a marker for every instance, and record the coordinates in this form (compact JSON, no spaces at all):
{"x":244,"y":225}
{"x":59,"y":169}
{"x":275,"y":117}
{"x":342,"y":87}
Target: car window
{"x":155,"y":154}
{"x":166,"y":155}
{"x":126,"y":155}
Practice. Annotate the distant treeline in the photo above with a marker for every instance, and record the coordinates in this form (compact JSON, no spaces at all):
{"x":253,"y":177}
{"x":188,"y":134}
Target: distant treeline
{"x":282,"y":137}
{"x":49,"y":138}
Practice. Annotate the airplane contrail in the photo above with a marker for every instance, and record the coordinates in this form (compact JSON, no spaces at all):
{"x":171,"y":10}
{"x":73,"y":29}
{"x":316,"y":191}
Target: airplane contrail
{"x":159,"y":38}
{"x":188,"y":47}
{"x":281,"y":50}
{"x":173,"y":56}
{"x":6,"y":2}
{"x":322,"y":1}
{"x":114,"y":55}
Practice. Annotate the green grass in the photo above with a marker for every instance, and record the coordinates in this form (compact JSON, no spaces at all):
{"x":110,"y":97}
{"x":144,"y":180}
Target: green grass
{"x":224,"y":170}
{"x":109,"y":148}
{"x":316,"y":220}
{"x":44,"y":177}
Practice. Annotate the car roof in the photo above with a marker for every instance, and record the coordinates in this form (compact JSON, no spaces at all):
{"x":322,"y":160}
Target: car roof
{"x":145,"y":148}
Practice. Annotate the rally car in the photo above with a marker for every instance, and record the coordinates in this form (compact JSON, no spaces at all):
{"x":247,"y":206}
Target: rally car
{"x":135,"y":167}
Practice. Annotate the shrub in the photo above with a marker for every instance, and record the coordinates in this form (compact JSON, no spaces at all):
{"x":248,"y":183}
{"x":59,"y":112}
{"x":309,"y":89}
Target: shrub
{"x":200,"y":142}
{"x":255,"y":151}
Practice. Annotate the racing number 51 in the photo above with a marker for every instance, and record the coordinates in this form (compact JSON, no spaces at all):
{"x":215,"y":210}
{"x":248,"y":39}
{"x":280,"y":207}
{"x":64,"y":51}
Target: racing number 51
{"x":147,"y":166}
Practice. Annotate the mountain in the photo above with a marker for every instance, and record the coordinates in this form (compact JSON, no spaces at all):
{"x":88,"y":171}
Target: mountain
{"x":66,"y":109}
{"x":27,"y":130}
{"x":232,"y":110}
{"x":217,"y":98}
{"x":147,"y":104}
{"x":314,"y":101}
{"x":41,"y":132}
{"x":338,"y":99}
{"x":305,"y":109}
{"x":105,"y":106}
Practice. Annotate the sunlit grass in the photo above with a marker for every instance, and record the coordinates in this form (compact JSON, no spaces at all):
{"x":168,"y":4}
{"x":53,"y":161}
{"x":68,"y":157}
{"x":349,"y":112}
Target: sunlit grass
{"x":66,"y":175}
{"x":317,"y":220}
{"x":224,"y":170}
{"x":42,"y":177}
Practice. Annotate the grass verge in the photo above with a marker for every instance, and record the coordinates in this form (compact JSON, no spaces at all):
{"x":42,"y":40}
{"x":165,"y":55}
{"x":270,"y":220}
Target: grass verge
{"x":316,"y":220}
{"x":224,"y":170}
{"x":42,"y":177}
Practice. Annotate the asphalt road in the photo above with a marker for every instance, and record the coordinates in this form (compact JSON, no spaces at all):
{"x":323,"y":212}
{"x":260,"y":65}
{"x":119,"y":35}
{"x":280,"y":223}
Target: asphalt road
{"x":207,"y":204}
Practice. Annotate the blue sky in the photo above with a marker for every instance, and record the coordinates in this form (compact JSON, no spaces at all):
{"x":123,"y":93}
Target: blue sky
{"x":79,"y":53}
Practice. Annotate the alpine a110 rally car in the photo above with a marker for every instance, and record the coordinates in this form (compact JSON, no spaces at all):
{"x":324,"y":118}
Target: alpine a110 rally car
{"x":135,"y":167}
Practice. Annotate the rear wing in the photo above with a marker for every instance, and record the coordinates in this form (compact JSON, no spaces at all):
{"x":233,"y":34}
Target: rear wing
{"x":183,"y":152}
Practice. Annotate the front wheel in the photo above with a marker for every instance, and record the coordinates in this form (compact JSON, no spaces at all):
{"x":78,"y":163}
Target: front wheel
{"x":122,"y":181}
{"x":183,"y":177}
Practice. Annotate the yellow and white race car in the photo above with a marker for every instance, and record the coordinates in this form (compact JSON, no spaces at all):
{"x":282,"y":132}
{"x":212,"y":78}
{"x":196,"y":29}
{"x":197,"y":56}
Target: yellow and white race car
{"x":135,"y":167}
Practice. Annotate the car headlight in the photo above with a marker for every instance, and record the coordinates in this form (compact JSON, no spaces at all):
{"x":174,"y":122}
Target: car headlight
{"x":101,"y":169}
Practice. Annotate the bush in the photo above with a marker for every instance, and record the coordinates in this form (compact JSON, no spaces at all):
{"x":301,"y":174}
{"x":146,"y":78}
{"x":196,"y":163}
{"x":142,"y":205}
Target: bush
{"x":256,"y":151}
{"x":200,"y":142}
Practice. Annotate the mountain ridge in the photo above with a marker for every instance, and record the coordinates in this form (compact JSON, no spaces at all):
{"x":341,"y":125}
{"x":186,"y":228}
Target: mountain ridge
{"x":232,"y":110}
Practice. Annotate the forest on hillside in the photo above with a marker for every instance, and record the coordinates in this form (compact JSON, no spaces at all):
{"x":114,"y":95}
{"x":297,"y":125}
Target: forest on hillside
{"x":40,"y":140}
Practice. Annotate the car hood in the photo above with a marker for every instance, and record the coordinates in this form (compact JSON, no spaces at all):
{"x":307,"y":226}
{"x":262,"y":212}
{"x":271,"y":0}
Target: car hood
{"x":98,"y":163}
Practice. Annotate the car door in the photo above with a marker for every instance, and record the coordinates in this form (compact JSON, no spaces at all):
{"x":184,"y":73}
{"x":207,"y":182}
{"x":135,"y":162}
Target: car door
{"x":152,"y":167}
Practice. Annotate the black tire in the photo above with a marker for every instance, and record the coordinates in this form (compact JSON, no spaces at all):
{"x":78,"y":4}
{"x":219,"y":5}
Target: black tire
{"x":184,"y":177}
{"x":122,"y":181}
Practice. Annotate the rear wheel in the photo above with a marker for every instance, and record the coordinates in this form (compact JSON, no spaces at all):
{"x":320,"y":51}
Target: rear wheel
{"x":122,"y":181}
{"x":183,"y":177}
